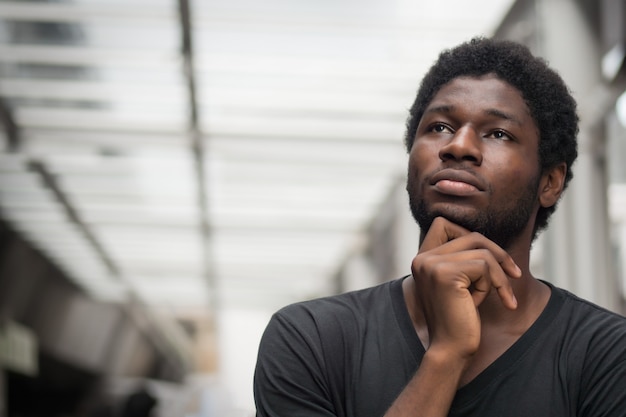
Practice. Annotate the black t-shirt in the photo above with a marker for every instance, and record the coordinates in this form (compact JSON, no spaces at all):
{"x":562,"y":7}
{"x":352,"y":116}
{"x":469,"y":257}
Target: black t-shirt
{"x":351,"y":355}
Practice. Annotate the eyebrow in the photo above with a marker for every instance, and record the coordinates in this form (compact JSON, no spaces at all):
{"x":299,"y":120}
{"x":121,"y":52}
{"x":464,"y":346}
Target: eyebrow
{"x":445,"y":108}
{"x":503,"y":115}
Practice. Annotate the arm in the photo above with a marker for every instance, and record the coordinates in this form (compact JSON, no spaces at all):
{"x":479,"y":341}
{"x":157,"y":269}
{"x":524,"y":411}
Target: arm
{"x":453,"y":273}
{"x":432,"y":389}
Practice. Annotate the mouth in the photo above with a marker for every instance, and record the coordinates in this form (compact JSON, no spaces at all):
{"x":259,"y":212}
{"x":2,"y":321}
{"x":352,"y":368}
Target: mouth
{"x":456,"y":182}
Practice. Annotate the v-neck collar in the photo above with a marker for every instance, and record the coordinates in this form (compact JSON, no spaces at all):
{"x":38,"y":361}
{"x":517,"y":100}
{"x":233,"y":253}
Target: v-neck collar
{"x":504,"y":362}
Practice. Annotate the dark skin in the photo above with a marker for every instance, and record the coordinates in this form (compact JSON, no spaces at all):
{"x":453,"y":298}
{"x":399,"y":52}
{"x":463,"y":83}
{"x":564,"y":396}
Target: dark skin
{"x":470,"y":299}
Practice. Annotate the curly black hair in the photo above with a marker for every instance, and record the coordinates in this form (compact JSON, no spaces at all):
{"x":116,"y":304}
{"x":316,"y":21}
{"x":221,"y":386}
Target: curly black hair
{"x":549,"y":100}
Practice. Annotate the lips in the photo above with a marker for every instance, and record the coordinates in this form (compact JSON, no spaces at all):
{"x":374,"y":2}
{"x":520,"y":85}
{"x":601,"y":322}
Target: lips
{"x":456,"y":182}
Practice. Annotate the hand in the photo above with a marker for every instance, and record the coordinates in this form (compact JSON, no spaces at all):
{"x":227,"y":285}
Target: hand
{"x":454,"y":271}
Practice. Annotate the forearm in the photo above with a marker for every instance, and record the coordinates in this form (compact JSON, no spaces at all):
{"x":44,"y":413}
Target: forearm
{"x":431,"y":390}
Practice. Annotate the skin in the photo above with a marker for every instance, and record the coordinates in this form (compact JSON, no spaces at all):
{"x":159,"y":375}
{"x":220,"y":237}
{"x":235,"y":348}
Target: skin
{"x":470,"y":298}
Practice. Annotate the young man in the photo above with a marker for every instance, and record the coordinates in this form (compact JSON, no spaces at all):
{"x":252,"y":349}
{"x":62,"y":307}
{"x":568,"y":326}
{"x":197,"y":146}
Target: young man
{"x":491,"y":138}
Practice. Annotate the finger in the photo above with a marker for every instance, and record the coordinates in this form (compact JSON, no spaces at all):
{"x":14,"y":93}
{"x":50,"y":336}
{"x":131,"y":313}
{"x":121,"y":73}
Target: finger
{"x":473,"y":273}
{"x":489,"y":275}
{"x":461,"y":239}
{"x":483,"y":273}
{"x":476,"y":241}
{"x":442,"y":231}
{"x":476,"y":271}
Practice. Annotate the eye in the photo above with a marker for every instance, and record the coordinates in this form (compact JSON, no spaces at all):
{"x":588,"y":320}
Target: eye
{"x":440,"y":128}
{"x":499,"y":134}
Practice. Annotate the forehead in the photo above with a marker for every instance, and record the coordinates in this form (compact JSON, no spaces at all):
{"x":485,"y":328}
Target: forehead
{"x":486,"y":91}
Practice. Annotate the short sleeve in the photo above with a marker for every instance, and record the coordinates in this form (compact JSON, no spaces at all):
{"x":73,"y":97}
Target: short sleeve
{"x":603,"y":384}
{"x":289,"y":378}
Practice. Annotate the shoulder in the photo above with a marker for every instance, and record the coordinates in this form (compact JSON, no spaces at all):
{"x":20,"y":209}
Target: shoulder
{"x":599,"y":334}
{"x":588,"y":316}
{"x":321,"y":331}
{"x":334,"y":322}
{"x":339,"y":311}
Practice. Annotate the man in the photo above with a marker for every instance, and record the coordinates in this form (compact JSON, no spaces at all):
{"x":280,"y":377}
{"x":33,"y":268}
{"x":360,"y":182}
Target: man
{"x":491,"y":140}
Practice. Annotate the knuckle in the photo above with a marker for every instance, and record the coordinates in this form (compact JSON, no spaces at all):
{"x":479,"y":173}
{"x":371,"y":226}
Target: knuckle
{"x":477,"y":237}
{"x":485,"y":266}
{"x":428,"y":266}
{"x":438,"y":269}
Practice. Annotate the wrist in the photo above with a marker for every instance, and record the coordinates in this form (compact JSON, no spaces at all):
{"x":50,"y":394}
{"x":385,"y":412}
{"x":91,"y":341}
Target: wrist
{"x":447,"y":360}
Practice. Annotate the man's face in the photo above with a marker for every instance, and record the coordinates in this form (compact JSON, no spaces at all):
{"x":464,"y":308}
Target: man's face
{"x":475,"y":160}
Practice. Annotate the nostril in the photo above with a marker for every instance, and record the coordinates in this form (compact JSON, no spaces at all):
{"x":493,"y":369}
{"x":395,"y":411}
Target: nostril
{"x":463,"y":146}
{"x":448,"y":156}
{"x":445,"y":156}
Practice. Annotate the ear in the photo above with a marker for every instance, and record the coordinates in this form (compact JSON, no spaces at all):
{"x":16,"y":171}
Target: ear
{"x":551,"y":185}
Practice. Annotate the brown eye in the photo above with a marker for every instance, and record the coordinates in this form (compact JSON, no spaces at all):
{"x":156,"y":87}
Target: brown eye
{"x":440,"y":128}
{"x":500,"y":134}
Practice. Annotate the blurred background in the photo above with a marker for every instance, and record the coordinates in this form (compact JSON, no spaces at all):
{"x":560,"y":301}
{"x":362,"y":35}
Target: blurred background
{"x":174,"y":171}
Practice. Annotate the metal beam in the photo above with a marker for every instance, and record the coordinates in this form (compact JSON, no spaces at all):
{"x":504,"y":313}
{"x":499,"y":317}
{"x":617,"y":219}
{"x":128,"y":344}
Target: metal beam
{"x":10,"y":127}
{"x":198,"y":152}
{"x":52,"y":184}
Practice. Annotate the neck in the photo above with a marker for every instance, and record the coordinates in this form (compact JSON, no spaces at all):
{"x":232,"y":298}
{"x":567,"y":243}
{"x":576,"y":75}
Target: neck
{"x":532,"y":296}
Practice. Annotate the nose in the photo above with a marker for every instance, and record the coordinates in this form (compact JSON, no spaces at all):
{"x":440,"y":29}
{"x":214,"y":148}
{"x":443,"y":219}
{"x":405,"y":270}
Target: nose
{"x":463,"y":146}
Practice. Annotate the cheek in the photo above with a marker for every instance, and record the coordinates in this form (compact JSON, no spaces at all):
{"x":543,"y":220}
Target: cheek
{"x":421,"y":155}
{"x":515,"y":175}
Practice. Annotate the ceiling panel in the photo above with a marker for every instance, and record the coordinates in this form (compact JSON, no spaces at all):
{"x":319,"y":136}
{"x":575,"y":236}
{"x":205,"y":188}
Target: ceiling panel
{"x":238,"y":169}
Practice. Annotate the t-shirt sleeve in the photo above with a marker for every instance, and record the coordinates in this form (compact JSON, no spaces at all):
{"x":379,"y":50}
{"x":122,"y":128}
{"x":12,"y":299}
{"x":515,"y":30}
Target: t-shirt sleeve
{"x":607,"y":396}
{"x":289,"y":378}
{"x":603,"y":385}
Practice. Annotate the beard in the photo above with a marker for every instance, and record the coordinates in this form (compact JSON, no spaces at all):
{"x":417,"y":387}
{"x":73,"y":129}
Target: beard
{"x":499,"y":224}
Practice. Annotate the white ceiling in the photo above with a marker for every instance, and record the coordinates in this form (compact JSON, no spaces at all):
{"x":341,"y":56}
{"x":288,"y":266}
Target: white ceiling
{"x":300,"y":108}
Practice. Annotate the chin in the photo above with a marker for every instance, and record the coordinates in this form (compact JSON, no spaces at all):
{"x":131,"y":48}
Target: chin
{"x":467,"y":217}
